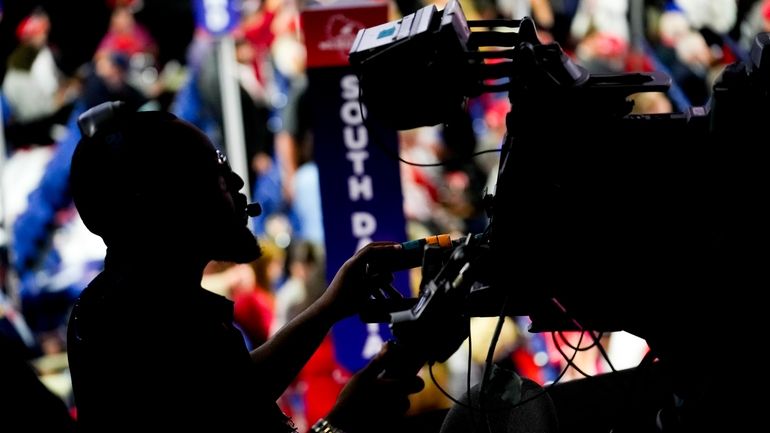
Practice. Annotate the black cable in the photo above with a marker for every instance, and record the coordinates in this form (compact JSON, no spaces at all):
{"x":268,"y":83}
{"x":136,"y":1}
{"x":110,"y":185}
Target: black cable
{"x":596,"y":343}
{"x":443,"y":391}
{"x":486,"y":410}
{"x":564,"y":355}
{"x":468,"y":378}
{"x":564,"y":370}
{"x":395,"y":155}
{"x":551,"y":385}
{"x":555,"y":381}
{"x":582,"y":329}
{"x":521,"y":403}
{"x":488,"y":363}
{"x":493,"y":343}
{"x":601,"y":350}
{"x":579,"y":349}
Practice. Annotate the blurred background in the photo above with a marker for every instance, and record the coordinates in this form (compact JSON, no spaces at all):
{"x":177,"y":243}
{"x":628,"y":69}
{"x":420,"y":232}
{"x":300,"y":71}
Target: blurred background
{"x":59,"y":58}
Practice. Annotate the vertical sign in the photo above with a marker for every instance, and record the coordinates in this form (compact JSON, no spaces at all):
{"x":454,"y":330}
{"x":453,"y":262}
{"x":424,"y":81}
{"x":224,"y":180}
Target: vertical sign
{"x":218,"y":17}
{"x":359,"y":174}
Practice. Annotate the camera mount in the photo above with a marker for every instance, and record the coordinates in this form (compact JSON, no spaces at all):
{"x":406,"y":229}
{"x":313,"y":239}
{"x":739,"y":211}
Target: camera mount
{"x":650,"y":223}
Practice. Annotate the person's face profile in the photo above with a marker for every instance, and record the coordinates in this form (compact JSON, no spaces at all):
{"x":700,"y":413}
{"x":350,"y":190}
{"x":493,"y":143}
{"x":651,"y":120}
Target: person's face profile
{"x":173,"y":186}
{"x":224,"y":208}
{"x":230,"y":185}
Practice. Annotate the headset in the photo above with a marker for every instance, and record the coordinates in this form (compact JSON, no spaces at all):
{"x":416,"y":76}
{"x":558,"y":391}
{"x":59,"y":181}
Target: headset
{"x":105,"y":118}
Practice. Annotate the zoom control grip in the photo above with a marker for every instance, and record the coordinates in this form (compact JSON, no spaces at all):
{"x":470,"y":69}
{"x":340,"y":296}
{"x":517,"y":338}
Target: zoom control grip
{"x":401,"y":362}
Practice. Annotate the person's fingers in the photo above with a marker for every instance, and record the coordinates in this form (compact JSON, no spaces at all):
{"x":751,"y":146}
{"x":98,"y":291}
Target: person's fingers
{"x":376,"y":248}
{"x":391,"y":292}
{"x":378,"y":282}
{"x":371,"y":259}
{"x":402,"y":405}
{"x":381,"y":256}
{"x":403,"y":387}
{"x":415,"y":385}
{"x":375,"y":366}
{"x":378,"y":278}
{"x":376,"y":294}
{"x":399,"y":388}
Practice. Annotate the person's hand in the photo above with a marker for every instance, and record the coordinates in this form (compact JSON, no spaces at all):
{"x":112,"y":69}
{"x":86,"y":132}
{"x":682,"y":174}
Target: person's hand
{"x":370,"y":402}
{"x":362,"y":275}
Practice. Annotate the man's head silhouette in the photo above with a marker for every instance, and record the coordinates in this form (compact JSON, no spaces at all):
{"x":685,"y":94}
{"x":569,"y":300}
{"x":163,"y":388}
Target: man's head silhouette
{"x":148,"y":180}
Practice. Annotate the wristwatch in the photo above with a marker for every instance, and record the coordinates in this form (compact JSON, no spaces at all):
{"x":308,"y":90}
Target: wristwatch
{"x":323,"y":426}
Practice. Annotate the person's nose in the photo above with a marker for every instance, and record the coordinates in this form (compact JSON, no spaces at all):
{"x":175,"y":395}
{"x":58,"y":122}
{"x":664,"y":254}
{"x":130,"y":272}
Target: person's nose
{"x":235,"y":182}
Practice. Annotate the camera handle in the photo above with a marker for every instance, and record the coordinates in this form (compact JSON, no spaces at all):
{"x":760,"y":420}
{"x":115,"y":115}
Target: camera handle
{"x":437,"y":324}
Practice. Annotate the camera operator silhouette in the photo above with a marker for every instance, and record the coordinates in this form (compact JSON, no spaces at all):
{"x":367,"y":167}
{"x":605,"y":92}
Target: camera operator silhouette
{"x":147,"y":345}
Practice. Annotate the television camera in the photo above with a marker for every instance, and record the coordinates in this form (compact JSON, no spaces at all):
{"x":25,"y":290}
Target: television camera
{"x":601,"y":219}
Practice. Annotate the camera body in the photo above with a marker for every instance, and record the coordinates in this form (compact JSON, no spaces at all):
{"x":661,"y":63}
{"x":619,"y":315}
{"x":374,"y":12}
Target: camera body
{"x":601,"y":219}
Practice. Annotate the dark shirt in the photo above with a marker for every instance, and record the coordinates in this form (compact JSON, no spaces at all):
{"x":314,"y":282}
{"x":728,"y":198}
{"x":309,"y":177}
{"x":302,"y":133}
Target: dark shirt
{"x":141,"y":358}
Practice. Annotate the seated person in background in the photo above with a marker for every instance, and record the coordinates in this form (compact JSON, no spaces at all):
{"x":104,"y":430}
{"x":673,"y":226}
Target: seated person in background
{"x":39,"y":96}
{"x":147,"y":345}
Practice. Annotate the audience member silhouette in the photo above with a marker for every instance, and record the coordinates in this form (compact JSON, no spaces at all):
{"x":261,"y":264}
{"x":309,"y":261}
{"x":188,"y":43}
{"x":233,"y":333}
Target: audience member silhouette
{"x":27,"y":404}
{"x":148,"y":347}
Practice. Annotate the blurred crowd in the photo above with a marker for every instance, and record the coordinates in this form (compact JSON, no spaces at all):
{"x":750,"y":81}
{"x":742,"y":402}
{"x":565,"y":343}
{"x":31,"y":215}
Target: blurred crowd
{"x":48,"y":256}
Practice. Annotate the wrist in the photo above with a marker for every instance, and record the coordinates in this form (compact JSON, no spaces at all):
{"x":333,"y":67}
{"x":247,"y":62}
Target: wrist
{"x":324,"y":426}
{"x":330,"y":309}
